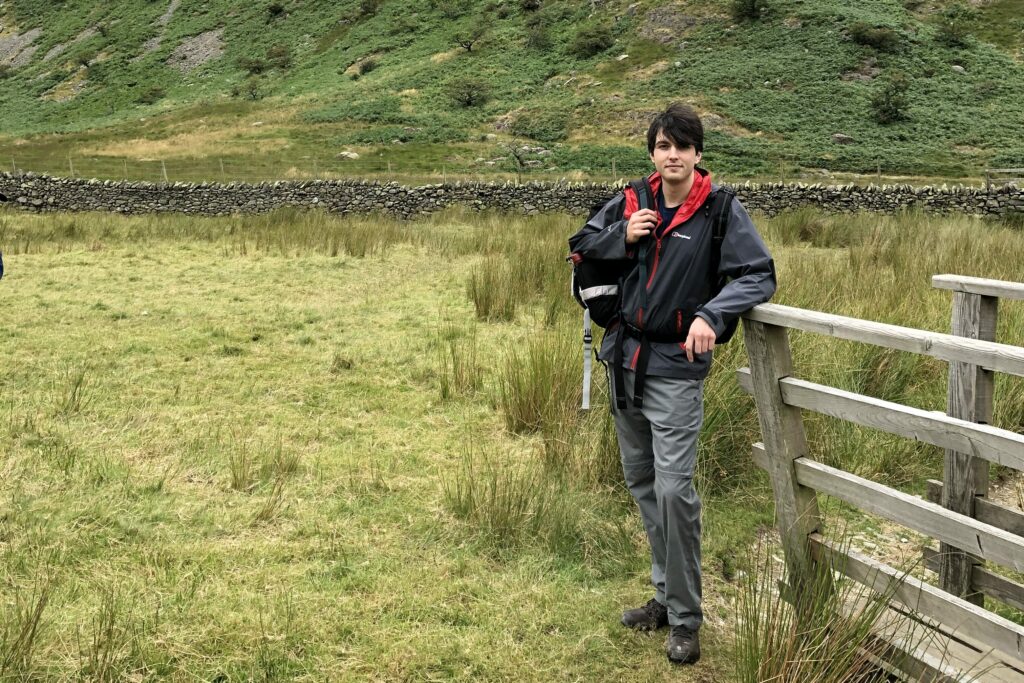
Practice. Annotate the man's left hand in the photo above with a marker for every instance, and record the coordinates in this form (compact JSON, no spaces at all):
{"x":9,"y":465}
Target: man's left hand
{"x":701,"y":338}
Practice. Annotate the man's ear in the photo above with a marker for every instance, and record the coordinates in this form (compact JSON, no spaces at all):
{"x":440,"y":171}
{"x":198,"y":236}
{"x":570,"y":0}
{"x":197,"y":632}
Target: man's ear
{"x":699,"y":156}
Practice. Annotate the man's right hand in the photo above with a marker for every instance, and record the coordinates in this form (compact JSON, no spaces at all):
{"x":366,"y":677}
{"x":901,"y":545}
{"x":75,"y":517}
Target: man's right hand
{"x":640,"y":225}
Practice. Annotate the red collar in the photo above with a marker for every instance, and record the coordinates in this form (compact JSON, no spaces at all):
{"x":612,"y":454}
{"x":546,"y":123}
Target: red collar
{"x":699,"y":192}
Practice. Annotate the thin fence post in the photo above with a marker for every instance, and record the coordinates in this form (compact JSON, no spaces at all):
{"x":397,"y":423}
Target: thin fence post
{"x":71,"y":166}
{"x":615,"y":173}
{"x":988,"y":181}
{"x":223,"y":175}
{"x":782,"y":428}
{"x":163,"y":167}
{"x":444,"y":174}
{"x":14,"y":167}
{"x":125,"y":168}
{"x":970,"y":397}
{"x":316,"y":171}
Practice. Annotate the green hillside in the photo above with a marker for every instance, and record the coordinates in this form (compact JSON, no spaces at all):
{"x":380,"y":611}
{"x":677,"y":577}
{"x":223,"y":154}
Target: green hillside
{"x":918,"y":88}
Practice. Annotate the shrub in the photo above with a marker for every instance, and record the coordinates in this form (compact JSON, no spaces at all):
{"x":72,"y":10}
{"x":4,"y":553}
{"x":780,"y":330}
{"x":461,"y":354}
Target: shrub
{"x":368,"y":8}
{"x":890,"y":102}
{"x":366,"y":66}
{"x":879,"y":37}
{"x":151,"y":95}
{"x":469,"y":92}
{"x":544,"y":126}
{"x":529,"y":5}
{"x":275,"y":10}
{"x":451,"y":9}
{"x":747,"y":10}
{"x":591,"y":40}
{"x":5,"y":71}
{"x":279,"y":56}
{"x":252,"y":65}
{"x":954,"y":21}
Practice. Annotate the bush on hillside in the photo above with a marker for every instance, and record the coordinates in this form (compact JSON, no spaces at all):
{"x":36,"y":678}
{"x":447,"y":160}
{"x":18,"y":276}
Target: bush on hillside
{"x":543,"y":126}
{"x":529,"y":5}
{"x":468,"y":92}
{"x":151,"y":95}
{"x":537,"y":36}
{"x":954,"y":25}
{"x":452,"y":9}
{"x":748,"y":10}
{"x":890,"y":102}
{"x":279,"y":56}
{"x":252,"y":65}
{"x":368,"y":8}
{"x":366,"y":66}
{"x":275,"y":10}
{"x":881,"y":38}
{"x":591,"y":40}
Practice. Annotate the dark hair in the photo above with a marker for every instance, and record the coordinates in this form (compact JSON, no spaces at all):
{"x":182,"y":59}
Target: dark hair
{"x":680,"y":124}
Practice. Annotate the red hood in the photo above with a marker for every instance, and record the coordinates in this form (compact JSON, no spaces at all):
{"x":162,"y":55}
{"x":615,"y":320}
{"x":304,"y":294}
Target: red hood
{"x":698,"y":194}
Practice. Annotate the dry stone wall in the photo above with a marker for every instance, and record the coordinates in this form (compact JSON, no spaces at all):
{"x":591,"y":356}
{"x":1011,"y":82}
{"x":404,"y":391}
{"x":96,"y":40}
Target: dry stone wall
{"x":44,"y":193}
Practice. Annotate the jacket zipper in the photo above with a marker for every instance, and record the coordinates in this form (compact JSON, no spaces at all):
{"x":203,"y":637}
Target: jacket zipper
{"x":657,"y":255}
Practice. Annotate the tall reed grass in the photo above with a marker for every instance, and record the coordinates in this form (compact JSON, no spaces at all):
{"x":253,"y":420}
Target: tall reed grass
{"x":826,"y":631}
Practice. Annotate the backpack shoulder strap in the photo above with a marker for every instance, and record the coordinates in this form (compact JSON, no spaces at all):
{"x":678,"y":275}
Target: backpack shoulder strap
{"x":644,"y":194}
{"x":721,"y":209}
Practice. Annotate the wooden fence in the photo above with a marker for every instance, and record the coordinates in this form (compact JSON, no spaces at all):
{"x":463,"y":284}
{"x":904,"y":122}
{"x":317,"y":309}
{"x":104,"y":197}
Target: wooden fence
{"x":979,"y":644}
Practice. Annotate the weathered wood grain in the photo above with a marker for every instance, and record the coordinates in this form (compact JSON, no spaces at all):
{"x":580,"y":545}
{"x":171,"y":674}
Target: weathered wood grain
{"x":958,"y":614}
{"x":983,"y":441}
{"x":782,"y":428}
{"x":978,"y":285}
{"x":999,"y":357}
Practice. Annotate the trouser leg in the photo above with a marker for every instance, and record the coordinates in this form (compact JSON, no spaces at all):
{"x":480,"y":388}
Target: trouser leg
{"x":659,"y":455}
{"x":637,"y":451}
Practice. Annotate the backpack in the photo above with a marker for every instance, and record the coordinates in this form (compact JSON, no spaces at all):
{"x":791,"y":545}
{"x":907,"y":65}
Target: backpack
{"x":596,"y":283}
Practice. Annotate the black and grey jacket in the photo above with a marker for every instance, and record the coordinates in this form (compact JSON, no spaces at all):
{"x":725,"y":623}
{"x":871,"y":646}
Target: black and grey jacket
{"x":679,"y":284}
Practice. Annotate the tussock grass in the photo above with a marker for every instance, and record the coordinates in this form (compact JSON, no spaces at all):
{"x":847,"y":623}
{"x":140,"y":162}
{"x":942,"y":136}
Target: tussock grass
{"x":459,"y":373}
{"x":539,"y":384}
{"x":822,"y":631}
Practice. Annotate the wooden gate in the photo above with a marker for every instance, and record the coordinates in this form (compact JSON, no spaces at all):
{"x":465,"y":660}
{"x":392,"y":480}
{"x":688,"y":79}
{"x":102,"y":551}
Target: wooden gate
{"x":976,"y":644}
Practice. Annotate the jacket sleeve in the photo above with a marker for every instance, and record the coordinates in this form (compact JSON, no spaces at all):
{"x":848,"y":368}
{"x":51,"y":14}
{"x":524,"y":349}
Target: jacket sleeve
{"x":745,"y":260}
{"x":604,"y":235}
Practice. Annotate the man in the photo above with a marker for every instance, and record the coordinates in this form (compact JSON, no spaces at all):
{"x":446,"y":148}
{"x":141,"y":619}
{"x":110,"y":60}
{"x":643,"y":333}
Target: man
{"x":675,"y":304}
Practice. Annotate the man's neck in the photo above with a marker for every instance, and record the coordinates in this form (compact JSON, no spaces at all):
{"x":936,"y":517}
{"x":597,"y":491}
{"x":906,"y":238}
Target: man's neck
{"x":676,"y":193}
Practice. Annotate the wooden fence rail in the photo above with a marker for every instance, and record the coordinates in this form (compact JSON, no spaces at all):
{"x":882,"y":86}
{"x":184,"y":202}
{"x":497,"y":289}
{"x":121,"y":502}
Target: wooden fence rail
{"x":969,"y":528}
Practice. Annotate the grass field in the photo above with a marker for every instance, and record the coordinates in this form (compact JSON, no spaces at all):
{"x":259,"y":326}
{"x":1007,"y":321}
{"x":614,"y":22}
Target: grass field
{"x":303,"y":447}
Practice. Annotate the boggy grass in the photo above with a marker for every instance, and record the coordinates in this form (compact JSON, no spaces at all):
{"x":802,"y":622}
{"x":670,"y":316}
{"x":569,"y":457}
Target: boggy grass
{"x":539,"y":383}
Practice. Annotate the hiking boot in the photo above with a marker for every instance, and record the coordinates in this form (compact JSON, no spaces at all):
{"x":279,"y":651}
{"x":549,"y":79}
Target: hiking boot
{"x":683,"y":646}
{"x":650,"y":617}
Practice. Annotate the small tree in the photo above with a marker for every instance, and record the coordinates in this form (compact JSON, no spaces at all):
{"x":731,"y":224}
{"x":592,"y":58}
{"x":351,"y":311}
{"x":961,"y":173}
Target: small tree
{"x":470,"y":36}
{"x":954,"y":25}
{"x":748,"y":10}
{"x":469,"y":92}
{"x":890,"y":102}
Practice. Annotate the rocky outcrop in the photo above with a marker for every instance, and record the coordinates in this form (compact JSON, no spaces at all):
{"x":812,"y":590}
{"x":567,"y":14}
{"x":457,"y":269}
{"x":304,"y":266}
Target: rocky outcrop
{"x":44,"y":193}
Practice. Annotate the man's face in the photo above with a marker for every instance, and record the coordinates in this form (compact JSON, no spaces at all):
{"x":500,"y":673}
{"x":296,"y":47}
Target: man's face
{"x":673,"y":162}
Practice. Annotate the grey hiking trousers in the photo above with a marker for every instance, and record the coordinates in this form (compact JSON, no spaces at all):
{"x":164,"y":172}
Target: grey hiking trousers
{"x":658,"y":444}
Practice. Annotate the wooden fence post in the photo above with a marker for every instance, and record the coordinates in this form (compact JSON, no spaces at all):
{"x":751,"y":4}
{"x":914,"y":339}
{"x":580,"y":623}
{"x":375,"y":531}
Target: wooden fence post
{"x":782,"y":428}
{"x":969,"y":398}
